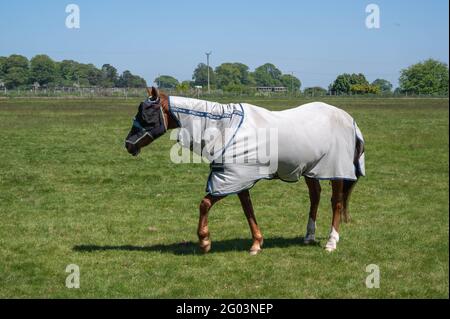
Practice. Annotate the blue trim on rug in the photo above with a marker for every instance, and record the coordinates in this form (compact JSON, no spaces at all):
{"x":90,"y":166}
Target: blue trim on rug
{"x":334,"y":178}
{"x":358,"y":170}
{"x":208,"y":190}
{"x":205,"y":114}
{"x":241,"y":113}
{"x":208,"y":186}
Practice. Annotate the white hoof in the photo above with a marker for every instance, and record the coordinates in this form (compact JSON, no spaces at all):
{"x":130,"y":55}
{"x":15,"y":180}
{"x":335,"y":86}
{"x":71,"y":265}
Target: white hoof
{"x":332,"y":240}
{"x":254,"y":252}
{"x":205,"y":246}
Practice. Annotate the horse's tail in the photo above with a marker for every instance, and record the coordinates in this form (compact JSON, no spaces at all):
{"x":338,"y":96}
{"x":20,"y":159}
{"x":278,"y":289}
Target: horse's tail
{"x":358,"y":162}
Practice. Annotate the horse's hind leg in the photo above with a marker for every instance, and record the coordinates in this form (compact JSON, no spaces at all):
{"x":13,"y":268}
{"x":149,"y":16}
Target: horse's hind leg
{"x":348,"y":188}
{"x":203,"y":233}
{"x":314,"y":198}
{"x":337,"y":203}
{"x":247,"y":206}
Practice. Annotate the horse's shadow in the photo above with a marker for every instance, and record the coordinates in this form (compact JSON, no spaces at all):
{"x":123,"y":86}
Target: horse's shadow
{"x":191,"y":248}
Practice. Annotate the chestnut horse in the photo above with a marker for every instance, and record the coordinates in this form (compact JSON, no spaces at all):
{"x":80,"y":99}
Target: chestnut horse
{"x":154,"y":118}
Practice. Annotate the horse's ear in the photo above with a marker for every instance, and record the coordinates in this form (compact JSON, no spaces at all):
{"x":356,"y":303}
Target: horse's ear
{"x":153,"y":92}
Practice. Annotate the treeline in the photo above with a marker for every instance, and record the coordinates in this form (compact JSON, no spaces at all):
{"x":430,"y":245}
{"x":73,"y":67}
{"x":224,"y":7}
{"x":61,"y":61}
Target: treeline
{"x":233,"y":77}
{"x":17,"y":71}
{"x":429,"y":77}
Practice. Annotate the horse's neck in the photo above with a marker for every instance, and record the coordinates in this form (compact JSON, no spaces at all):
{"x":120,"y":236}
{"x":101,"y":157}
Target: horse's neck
{"x":189,"y":111}
{"x":189,"y":103}
{"x":171,"y":123}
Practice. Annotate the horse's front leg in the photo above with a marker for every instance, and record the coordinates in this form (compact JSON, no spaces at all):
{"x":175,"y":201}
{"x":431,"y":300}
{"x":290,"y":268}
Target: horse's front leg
{"x":247,"y":206}
{"x":314,"y":198}
{"x":203,"y":233}
{"x":337,"y":203}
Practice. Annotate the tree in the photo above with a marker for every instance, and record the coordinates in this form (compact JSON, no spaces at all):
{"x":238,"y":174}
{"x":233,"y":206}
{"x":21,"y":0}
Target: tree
{"x":127,"y":79}
{"x":70,"y":72}
{"x":92,"y":74}
{"x":200,"y":76}
{"x":109,"y":75}
{"x":267,"y":75}
{"x":15,"y":71}
{"x":166,"y":82}
{"x":15,"y":60}
{"x":244,"y":74}
{"x":344,"y":82}
{"x":315,"y":91}
{"x":384,"y":85}
{"x":229,"y":74}
{"x":2,"y":66}
{"x":233,"y":77}
{"x":341,"y":84}
{"x":67,"y":71}
{"x":15,"y":77}
{"x":42,"y":70}
{"x":184,"y":87}
{"x":427,"y":77}
{"x":364,"y":89}
{"x":138,"y":82}
{"x":291,"y":82}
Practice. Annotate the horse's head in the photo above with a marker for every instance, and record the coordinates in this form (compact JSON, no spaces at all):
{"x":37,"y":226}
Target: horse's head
{"x":148,"y":124}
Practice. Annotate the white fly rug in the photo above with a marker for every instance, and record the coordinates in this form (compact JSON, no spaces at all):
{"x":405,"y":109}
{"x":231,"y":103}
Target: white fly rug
{"x":316,"y":140}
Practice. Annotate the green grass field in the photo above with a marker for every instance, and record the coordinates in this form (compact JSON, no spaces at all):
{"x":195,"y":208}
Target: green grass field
{"x":70,"y":194}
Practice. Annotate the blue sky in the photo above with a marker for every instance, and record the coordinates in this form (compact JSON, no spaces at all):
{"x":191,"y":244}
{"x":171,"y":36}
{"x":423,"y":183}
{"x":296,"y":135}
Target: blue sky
{"x":317,"y":40}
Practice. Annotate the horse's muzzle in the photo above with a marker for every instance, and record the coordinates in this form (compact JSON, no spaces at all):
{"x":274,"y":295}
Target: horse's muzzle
{"x":132,"y":149}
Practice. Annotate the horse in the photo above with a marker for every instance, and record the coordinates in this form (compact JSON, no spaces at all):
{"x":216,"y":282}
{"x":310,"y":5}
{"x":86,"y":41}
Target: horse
{"x":316,"y":140}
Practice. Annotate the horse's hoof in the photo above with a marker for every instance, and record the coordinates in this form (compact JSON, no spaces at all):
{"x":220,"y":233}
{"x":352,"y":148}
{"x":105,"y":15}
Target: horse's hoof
{"x":309,"y":239}
{"x":205,"y":247}
{"x":330,"y":249}
{"x":254,"y":252}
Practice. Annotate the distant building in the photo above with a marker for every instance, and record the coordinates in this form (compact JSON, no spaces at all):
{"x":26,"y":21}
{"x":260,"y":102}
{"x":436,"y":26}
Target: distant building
{"x":271,"y":89}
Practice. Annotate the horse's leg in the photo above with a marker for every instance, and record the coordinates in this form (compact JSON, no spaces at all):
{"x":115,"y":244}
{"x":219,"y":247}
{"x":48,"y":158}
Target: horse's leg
{"x":203,"y":233}
{"x":348,"y":188}
{"x":314,"y":198}
{"x":337,"y":203}
{"x":247,"y":206}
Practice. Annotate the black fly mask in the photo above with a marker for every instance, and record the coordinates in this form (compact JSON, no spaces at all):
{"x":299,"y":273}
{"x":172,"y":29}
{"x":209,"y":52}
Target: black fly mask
{"x":148,"y":121}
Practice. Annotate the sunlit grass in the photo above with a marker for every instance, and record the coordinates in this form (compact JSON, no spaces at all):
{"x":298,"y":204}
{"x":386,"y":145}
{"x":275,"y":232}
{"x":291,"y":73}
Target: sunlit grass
{"x":69,"y":193}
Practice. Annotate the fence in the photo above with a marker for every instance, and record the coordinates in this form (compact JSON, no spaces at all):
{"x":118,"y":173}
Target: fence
{"x":125,"y":93}
{"x":74,"y":92}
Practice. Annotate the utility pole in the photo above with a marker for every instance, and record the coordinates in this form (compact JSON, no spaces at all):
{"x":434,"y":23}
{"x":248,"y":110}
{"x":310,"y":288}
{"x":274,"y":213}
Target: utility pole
{"x":292,"y":83}
{"x":207,"y":63}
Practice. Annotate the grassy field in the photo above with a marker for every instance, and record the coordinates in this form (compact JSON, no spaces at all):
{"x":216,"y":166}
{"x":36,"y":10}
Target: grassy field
{"x":70,"y":194}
